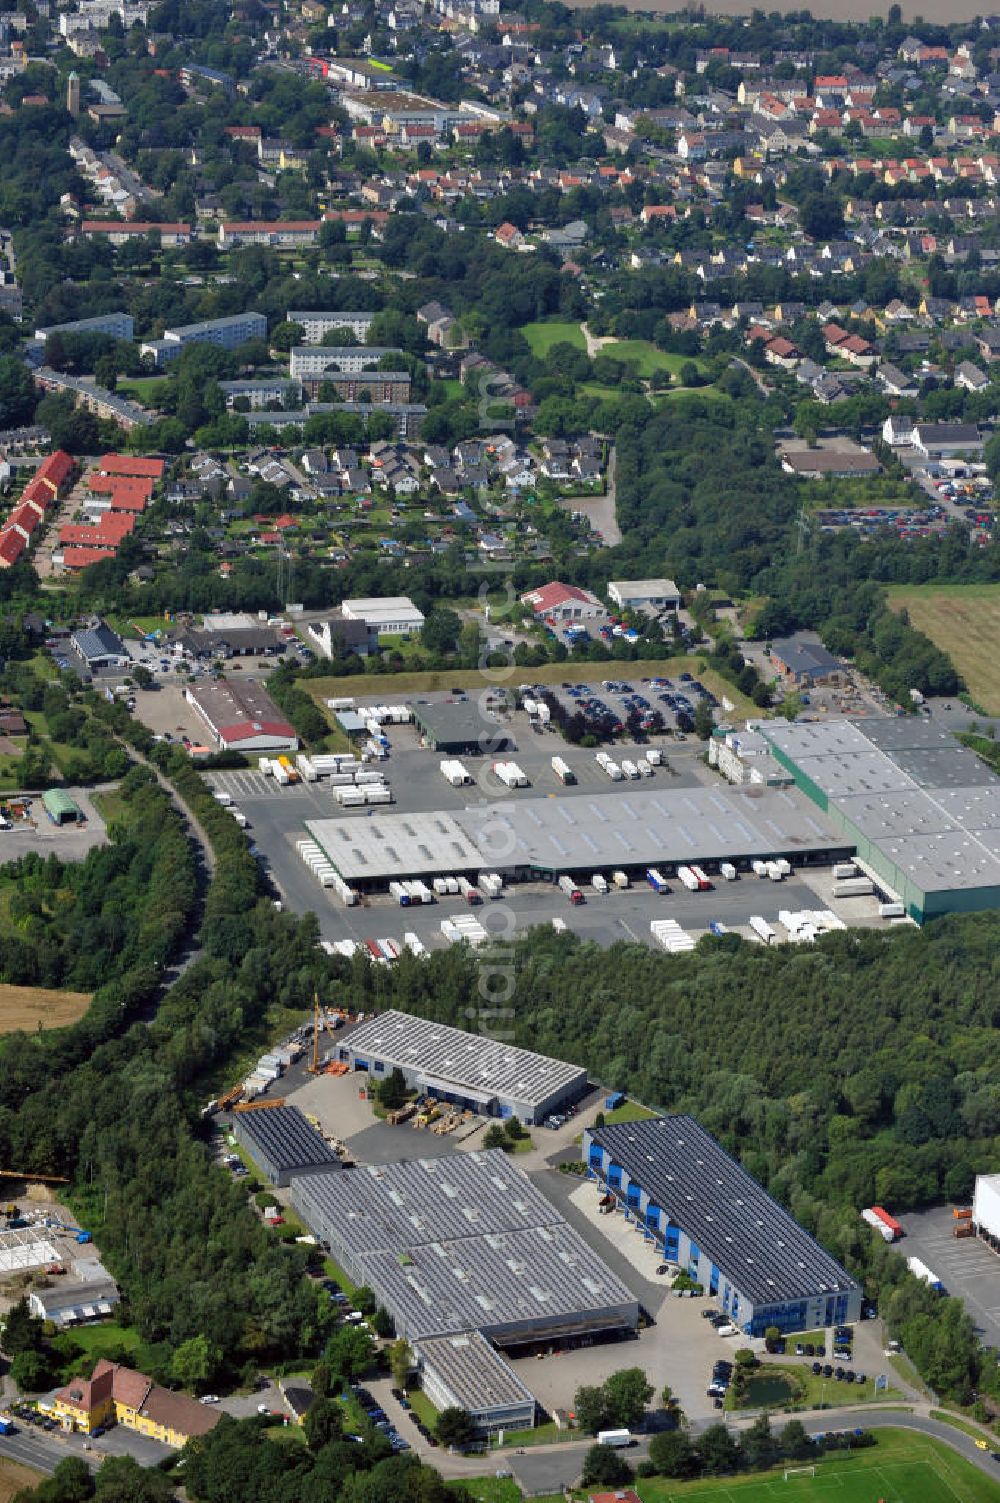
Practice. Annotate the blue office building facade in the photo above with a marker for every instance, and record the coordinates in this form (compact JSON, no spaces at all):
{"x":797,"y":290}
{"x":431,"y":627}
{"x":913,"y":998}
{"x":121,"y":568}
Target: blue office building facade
{"x":702,"y":1210}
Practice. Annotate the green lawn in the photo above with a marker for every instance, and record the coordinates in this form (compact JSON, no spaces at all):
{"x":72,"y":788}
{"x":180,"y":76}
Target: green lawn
{"x":808,"y":1392}
{"x":498,"y":1490}
{"x":647,"y":357}
{"x":422,"y":1407}
{"x":109,"y":1339}
{"x":710,"y":393}
{"x":542,"y":336}
{"x":110,"y":806}
{"x":903,"y":1468}
{"x":630,"y":1112}
{"x":141,"y":388}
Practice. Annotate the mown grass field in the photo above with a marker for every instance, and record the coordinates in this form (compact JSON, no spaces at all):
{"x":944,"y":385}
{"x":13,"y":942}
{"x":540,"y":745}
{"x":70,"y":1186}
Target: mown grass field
{"x":30,"y":1007}
{"x":964,"y":621}
{"x":542,"y":336}
{"x":903,"y":1468}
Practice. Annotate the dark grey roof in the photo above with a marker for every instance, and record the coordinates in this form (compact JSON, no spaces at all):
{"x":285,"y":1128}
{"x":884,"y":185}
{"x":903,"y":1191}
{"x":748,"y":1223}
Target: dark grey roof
{"x":463,"y":720}
{"x":800,"y":655}
{"x":460,"y":1061}
{"x":99,"y":642}
{"x":753,"y":1241}
{"x":282,"y":1135}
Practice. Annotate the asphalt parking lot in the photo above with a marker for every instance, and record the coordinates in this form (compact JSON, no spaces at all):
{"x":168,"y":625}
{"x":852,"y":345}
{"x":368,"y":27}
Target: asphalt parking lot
{"x":967,"y":1268}
{"x":675,"y":700}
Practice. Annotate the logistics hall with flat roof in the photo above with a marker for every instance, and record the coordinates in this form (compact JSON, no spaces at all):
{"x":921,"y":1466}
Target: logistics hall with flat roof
{"x":921,"y":812}
{"x":470,"y":1070}
{"x":544,"y":838}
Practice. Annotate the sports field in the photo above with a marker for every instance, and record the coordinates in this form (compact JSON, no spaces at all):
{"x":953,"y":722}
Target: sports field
{"x":904,"y":1467}
{"x":29,"y":1007}
{"x":964,"y":621}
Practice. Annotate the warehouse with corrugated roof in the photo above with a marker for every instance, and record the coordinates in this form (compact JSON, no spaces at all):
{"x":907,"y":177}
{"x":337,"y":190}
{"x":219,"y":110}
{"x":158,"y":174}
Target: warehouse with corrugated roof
{"x":706,"y":1213}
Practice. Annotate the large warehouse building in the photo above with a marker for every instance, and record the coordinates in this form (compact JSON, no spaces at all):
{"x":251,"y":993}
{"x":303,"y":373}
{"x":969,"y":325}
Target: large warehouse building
{"x":464,"y":1243}
{"x":543,"y":838}
{"x":466,"y":1069}
{"x":242,"y":717}
{"x":920,"y":811}
{"x":709,"y":1215}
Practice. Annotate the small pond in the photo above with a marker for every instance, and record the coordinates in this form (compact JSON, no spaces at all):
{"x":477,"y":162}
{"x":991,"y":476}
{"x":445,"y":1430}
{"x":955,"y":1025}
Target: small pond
{"x":768,"y":1391}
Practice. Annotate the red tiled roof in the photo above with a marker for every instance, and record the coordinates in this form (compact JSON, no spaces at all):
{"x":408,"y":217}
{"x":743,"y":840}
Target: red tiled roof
{"x":269,"y":226}
{"x":80,"y":558}
{"x":55,"y":469}
{"x":130,"y":464}
{"x":12,"y":545}
{"x":24,"y":516}
{"x":554,"y":594}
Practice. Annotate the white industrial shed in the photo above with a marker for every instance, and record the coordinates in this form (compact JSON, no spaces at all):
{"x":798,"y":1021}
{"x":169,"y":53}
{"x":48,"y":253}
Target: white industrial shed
{"x":466,"y":1069}
{"x":464,"y":1372}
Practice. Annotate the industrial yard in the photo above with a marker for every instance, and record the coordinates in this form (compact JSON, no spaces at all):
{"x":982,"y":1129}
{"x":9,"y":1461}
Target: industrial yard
{"x":357,"y":840}
{"x":462,"y":1243}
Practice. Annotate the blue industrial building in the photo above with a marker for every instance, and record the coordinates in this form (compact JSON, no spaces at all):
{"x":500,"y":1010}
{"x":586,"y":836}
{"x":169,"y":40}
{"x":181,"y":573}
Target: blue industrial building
{"x":709,"y":1216}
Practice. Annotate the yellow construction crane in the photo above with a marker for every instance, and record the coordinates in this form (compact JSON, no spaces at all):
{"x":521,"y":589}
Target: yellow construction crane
{"x":320,"y":1021}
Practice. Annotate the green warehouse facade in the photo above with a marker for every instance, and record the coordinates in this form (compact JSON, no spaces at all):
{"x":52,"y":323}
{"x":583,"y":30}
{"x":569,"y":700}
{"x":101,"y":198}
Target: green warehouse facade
{"x":922,"y":812}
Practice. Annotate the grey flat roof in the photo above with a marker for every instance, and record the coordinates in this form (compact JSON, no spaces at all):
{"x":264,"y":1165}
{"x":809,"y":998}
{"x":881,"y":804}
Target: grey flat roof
{"x":628,"y":826}
{"x":473,"y":1371}
{"x":927,"y":804}
{"x":285,"y":1138}
{"x":458,"y":1243}
{"x":759,"y":1248}
{"x":462,"y":720}
{"x":459,"y":1060}
{"x":380,"y":848}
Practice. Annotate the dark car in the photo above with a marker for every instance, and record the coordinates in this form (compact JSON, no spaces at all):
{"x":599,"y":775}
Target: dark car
{"x":817,"y":1368}
{"x":828,"y":1371}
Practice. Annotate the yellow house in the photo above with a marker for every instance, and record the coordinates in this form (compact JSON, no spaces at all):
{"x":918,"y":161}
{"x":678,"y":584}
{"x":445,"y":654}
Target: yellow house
{"x":115,"y":1394}
{"x":87,"y":1403}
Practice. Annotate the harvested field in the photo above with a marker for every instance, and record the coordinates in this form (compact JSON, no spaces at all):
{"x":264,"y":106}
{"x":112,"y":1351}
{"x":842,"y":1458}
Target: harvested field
{"x":31,"y":1007}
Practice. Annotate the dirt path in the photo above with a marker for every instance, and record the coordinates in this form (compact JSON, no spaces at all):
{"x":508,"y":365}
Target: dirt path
{"x":595,"y":342}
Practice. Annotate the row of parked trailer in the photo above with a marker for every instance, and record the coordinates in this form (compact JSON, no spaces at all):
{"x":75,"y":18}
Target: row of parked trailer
{"x":511,"y":775}
{"x":463,"y":928}
{"x":269,"y":1068}
{"x":627,"y":769}
{"x":381,"y":714}
{"x":381,"y":951}
{"x":669,"y":934}
{"x":324,"y":871}
{"x":455,"y":772}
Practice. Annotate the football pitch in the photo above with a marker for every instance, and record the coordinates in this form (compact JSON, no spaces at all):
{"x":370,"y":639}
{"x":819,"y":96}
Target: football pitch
{"x":914,"y":1470}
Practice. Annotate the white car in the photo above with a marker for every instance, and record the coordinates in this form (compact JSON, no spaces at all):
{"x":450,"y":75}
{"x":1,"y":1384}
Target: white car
{"x":210,"y":1398}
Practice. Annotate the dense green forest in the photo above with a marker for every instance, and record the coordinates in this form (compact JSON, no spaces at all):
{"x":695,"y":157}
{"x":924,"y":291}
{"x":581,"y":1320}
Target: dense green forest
{"x":114,"y":1103}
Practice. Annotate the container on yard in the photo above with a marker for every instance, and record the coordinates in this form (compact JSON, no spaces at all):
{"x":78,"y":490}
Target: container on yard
{"x":656,"y":880}
{"x":762,"y":929}
{"x":599,"y":882}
